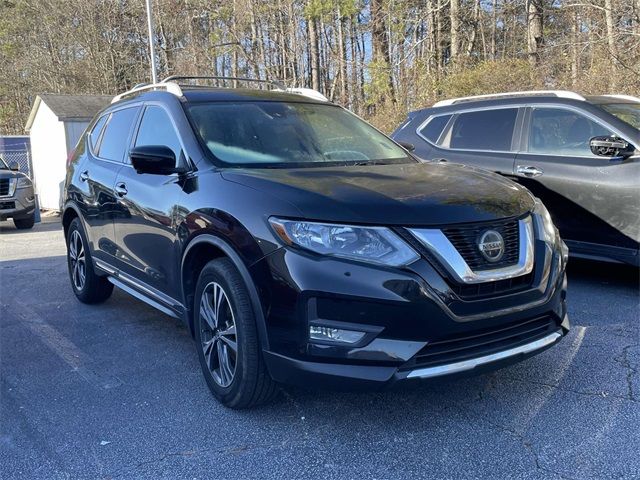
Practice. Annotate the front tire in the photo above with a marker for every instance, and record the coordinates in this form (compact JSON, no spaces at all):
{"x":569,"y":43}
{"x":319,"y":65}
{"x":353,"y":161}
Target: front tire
{"x":86,"y":284}
{"x":25,"y":223}
{"x":227,"y":338}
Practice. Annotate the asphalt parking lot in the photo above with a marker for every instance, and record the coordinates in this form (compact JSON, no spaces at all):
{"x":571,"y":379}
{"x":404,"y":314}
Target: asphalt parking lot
{"x":115,"y":391}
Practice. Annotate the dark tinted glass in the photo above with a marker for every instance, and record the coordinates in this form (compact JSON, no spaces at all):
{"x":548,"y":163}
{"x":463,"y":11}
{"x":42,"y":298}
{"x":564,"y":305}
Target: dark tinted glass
{"x":114,"y":140}
{"x":277,"y":133}
{"x":95,"y":131}
{"x":156,"y":129}
{"x":484,"y":130}
{"x":432,"y":130}
{"x":557,"y":131}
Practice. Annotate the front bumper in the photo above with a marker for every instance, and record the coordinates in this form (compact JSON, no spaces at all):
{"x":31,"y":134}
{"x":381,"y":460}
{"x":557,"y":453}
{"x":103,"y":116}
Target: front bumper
{"x":354,"y":377}
{"x":22,"y":204}
{"x":423,"y":327}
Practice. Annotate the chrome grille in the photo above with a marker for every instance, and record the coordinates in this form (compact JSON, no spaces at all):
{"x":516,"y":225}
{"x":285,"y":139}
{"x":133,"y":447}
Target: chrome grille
{"x":465,"y":239}
{"x":4,"y":187}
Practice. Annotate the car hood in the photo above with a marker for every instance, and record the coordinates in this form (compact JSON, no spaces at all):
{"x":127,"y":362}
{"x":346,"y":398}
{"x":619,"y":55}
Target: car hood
{"x":398,"y":194}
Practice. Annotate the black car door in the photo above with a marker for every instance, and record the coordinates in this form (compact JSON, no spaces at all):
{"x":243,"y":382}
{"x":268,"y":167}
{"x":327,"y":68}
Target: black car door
{"x":146,"y":237}
{"x":592,"y":199}
{"x":485,"y":138}
{"x":104,"y":157}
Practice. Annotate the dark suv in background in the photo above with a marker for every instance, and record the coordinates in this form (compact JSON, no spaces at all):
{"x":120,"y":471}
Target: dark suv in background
{"x":577,"y":154}
{"x":301,"y":245}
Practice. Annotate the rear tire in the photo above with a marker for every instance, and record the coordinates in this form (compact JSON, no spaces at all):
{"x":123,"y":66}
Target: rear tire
{"x":25,"y":223}
{"x":225,"y":328}
{"x":85,"y":283}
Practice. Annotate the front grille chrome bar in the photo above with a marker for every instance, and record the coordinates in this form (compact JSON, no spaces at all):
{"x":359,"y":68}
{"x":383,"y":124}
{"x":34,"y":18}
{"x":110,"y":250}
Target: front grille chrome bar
{"x":465,"y":365}
{"x":443,"y":250}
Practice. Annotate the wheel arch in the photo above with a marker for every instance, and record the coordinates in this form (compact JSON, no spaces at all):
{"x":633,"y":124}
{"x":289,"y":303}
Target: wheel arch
{"x":70,"y":212}
{"x":201,"y":250}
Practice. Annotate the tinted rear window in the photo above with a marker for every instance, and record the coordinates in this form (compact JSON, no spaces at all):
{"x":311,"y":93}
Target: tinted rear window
{"x":114,"y":141}
{"x":484,"y":130}
{"x":432,"y":130}
{"x":95,"y":131}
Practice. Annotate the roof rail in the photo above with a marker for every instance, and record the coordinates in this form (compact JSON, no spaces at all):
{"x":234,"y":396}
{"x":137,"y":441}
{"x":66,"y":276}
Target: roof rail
{"x":624,"y":97}
{"x":279,"y":86}
{"x":307,"y":92}
{"x":173,"y":78}
{"x":170,"y":87}
{"x":539,"y":93}
{"x":170,"y":84}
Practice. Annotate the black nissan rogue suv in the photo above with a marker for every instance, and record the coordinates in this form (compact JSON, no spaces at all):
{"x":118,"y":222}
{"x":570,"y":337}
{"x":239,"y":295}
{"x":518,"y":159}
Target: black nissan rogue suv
{"x":301,"y":245}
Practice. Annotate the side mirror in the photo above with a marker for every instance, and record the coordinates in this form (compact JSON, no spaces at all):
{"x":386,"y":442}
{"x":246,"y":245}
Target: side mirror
{"x":612,"y":147}
{"x":154,"y":159}
{"x":15,"y":166}
{"x":410,"y":147}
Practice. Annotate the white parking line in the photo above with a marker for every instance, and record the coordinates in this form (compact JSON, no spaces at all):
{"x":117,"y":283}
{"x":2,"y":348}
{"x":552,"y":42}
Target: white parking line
{"x":64,"y":348}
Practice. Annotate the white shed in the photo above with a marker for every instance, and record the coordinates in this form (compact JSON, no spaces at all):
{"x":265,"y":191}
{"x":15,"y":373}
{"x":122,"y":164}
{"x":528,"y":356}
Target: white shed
{"x":55,"y":124}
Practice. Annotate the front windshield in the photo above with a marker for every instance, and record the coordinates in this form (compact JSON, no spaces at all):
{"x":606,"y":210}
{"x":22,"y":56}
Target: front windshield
{"x":627,"y":112}
{"x":278,"y":134}
{"x":3,"y":166}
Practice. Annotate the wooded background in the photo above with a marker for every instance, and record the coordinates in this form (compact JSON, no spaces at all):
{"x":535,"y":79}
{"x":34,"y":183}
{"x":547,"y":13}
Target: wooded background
{"x":380,"y":58}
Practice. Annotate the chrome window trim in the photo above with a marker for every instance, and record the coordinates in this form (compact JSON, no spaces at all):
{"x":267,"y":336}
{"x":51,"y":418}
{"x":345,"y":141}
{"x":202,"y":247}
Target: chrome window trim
{"x":472,"y":363}
{"x":439,"y":245}
{"x":454,"y":115}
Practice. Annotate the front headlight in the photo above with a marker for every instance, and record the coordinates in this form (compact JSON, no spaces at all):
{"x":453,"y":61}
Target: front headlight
{"x":23,"y":182}
{"x":377,"y":245}
{"x":548,"y":230}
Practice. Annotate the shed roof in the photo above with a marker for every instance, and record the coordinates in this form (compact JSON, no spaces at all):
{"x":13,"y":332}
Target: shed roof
{"x":69,"y":107}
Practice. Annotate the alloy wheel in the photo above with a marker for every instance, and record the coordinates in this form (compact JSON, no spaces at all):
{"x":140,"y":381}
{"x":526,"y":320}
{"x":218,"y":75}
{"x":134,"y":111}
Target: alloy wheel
{"x":78,"y":260}
{"x":218,"y":334}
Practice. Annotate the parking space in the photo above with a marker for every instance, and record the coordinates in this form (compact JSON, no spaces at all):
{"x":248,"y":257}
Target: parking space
{"x":115,"y":391}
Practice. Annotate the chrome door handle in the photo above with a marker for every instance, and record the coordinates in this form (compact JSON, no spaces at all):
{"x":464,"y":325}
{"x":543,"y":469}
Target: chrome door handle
{"x":84,"y":176}
{"x":439,"y":160}
{"x":121,"y":189}
{"x":528,"y":171}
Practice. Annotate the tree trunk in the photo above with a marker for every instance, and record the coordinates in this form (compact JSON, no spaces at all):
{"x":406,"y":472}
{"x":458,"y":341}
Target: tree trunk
{"x":494,"y":30}
{"x":534,"y":30}
{"x":454,"y":31}
{"x":575,"y":50}
{"x":380,"y":43}
{"x":474,"y":31}
{"x":314,"y":53}
{"x":611,"y":42}
{"x":342,"y":62}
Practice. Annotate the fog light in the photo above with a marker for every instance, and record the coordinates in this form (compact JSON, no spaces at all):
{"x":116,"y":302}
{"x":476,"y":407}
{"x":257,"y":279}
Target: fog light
{"x":337,"y":335}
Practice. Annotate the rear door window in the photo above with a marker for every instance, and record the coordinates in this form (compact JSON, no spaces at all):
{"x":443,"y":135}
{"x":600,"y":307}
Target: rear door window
{"x":559,"y":131}
{"x":94,"y":136}
{"x":490,"y":130}
{"x":434,"y":127}
{"x":115,"y":139}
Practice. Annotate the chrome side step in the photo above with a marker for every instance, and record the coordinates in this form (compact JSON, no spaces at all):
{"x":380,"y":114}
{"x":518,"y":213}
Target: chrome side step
{"x":140,"y":290}
{"x":440,"y":370}
{"x":142,"y":297}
